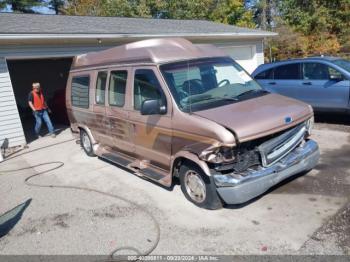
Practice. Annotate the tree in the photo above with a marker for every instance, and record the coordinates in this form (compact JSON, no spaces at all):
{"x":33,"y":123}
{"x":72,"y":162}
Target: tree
{"x":318,"y":18}
{"x":130,"y":8}
{"x":123,"y":8}
{"x":2,"y":4}
{"x":56,"y":5}
{"x":231,"y":12}
{"x":21,"y":6}
{"x":84,"y":7}
{"x":225,"y":11}
{"x":264,"y":12}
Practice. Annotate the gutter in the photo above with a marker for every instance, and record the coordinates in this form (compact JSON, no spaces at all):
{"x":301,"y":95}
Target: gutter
{"x":39,"y":36}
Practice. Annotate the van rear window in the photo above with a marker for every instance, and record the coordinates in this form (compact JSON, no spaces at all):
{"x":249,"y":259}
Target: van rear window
{"x":80,"y":91}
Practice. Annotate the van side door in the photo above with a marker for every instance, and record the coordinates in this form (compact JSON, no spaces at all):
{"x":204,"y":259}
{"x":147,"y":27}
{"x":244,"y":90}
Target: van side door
{"x":118,"y":126}
{"x":152,"y":134}
{"x":99,"y":106}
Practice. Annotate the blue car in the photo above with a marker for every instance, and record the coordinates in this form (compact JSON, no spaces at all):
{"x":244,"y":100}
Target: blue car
{"x":323,"y":82}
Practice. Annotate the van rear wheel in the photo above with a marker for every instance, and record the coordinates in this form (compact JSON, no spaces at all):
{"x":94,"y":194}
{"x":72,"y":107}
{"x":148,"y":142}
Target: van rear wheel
{"x":198,"y":188}
{"x":86,"y":143}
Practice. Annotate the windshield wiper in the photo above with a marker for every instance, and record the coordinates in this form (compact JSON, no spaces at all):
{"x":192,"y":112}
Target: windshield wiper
{"x":218,"y":97}
{"x":229,"y":98}
{"x":250,"y":92}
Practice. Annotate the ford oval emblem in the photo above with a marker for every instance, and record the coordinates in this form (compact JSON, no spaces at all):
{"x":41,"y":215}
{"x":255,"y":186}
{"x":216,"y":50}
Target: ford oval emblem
{"x":288,"y":120}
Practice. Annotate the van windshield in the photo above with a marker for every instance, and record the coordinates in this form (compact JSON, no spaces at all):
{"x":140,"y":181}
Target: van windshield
{"x":206,"y":83}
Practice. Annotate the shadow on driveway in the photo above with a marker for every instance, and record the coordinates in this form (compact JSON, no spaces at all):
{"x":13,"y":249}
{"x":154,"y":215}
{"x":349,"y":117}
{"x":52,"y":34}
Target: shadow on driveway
{"x":10,"y":218}
{"x":333,"y":121}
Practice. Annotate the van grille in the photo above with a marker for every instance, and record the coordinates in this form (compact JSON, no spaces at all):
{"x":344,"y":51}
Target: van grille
{"x":276,"y":148}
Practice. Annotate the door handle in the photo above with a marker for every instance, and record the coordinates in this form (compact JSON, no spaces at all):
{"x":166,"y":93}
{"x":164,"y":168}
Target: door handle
{"x":272,"y":83}
{"x":307,"y":83}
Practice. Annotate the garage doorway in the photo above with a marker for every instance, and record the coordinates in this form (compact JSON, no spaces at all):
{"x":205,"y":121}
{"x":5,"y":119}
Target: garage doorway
{"x":52,"y":74}
{"x":243,"y":55}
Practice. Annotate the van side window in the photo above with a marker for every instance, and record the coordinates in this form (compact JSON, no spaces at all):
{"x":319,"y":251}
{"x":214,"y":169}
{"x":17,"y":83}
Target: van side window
{"x":101,"y":87}
{"x":146,"y":86}
{"x":117,"y":86}
{"x":80,"y":91}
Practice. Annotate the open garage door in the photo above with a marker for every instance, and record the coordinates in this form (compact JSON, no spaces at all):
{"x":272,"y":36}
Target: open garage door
{"x":52,"y":74}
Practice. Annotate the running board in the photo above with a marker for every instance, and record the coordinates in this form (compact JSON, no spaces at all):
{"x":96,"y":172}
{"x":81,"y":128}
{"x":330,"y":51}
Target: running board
{"x":152,"y":174}
{"x":161,"y":177}
{"x":117,"y":159}
{"x":156,"y":175}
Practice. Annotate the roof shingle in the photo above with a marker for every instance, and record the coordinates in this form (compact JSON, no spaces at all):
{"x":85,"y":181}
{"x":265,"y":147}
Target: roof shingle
{"x":11,"y":23}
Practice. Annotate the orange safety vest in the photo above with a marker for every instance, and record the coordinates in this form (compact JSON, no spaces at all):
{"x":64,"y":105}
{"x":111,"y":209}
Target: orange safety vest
{"x":38,"y":101}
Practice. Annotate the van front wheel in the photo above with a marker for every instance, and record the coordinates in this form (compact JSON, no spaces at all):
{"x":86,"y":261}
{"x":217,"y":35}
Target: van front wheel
{"x":198,"y":188}
{"x":85,"y":143}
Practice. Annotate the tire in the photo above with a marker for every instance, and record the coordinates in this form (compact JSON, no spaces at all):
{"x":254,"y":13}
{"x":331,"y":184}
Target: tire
{"x":198,"y":187}
{"x":86,"y":143}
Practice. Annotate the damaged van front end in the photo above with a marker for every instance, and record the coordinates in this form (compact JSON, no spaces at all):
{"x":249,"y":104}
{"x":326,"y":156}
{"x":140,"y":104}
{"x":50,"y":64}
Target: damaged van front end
{"x":252,"y":168}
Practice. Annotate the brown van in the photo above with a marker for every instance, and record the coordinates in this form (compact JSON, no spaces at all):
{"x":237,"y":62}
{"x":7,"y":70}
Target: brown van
{"x":166,"y":108}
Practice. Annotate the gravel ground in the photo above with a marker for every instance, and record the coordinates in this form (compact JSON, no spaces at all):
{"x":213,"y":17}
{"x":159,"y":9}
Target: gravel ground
{"x":331,"y":236}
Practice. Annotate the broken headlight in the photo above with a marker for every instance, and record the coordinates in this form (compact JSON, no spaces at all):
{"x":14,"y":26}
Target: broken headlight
{"x":218,"y":155}
{"x":309,"y":125}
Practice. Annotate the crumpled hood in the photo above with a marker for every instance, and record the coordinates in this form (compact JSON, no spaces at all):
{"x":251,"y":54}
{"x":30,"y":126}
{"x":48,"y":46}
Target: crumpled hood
{"x":258,"y":117}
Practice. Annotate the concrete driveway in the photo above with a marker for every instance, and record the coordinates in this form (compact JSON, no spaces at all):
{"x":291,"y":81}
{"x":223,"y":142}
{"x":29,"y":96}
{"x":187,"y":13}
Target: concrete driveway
{"x":308,"y":215}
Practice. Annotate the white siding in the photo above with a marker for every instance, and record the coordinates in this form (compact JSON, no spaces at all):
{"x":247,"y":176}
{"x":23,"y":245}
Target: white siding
{"x":37,"y":51}
{"x":10,"y":123}
{"x":260,"y":52}
{"x":249,"y":54}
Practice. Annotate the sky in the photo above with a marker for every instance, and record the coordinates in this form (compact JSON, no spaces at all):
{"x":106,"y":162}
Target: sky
{"x":42,"y":10}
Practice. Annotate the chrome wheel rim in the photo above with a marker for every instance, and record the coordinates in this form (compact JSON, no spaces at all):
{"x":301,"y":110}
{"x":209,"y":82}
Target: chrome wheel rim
{"x":195,"y":186}
{"x":86,"y":142}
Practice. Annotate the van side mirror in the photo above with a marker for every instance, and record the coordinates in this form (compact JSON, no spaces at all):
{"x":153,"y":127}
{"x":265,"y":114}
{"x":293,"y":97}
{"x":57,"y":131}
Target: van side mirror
{"x":152,"y":107}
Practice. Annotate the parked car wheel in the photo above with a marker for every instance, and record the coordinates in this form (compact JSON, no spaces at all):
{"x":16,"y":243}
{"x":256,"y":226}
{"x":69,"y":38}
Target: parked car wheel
{"x":198,"y":188}
{"x":86,"y":143}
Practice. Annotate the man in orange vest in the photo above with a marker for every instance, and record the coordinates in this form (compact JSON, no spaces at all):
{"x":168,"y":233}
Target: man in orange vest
{"x":38,"y":104}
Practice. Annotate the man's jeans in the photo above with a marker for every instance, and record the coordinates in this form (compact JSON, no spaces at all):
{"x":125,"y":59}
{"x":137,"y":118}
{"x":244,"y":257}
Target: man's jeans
{"x":39,"y":116}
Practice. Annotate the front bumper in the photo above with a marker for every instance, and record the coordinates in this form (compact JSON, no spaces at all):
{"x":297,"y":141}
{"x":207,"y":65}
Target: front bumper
{"x":239,"y":188}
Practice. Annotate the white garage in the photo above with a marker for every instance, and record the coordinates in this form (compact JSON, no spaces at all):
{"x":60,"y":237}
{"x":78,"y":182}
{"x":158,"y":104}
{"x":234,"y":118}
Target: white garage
{"x":39,"y":48}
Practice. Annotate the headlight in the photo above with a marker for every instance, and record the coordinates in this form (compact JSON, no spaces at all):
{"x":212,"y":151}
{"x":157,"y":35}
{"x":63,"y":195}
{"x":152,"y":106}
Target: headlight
{"x":310,"y":125}
{"x":218,"y":155}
